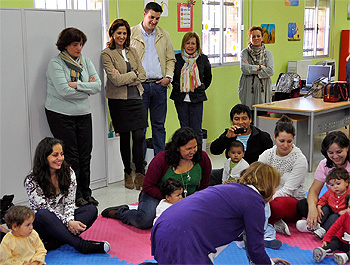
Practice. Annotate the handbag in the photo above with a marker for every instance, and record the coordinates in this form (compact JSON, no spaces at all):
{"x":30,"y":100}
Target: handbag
{"x":335,"y":92}
{"x":317,"y":89}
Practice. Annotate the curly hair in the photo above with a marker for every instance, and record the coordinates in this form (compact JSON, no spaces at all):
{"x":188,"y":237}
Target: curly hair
{"x":337,"y":137}
{"x":180,"y":138}
{"x":284,"y":124}
{"x":113,"y":27}
{"x":169,"y":186}
{"x":16,"y":215}
{"x":68,"y":36}
{"x":41,"y":168}
{"x":263,"y":177}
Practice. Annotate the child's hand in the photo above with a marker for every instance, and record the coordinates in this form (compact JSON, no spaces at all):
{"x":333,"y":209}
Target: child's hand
{"x":324,"y":244}
{"x":343,"y":211}
{"x":320,"y":213}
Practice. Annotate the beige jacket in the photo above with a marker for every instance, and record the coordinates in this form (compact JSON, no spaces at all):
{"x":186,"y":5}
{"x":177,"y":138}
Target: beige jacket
{"x":117,"y":84}
{"x":164,"y":48}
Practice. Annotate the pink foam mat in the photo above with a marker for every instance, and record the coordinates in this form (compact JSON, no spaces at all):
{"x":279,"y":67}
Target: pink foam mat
{"x":127,"y":242}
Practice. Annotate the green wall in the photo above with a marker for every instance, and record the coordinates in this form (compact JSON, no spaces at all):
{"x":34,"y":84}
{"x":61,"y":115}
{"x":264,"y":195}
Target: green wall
{"x":223,"y":93}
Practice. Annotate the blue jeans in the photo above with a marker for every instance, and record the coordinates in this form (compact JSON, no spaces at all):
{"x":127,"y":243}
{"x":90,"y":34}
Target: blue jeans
{"x":50,"y":228}
{"x":142,"y":217}
{"x":155,"y":99}
{"x":191,"y":115}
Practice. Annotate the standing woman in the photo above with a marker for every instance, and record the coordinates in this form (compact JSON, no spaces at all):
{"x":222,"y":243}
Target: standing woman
{"x":192,"y":76}
{"x":124,"y":92}
{"x":335,"y":149}
{"x":257,"y":67}
{"x":71,"y":79}
{"x":291,"y":163}
{"x":51,"y":188}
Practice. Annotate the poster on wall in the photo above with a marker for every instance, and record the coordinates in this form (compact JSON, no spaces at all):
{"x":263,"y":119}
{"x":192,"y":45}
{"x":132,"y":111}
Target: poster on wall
{"x":163,"y":4}
{"x":294,"y":31}
{"x":184,"y":17}
{"x":269,"y":32}
{"x":291,"y":2}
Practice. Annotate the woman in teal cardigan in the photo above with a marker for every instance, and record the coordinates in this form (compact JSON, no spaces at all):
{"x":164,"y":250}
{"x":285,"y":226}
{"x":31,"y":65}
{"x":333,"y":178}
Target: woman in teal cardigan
{"x":71,"y":79}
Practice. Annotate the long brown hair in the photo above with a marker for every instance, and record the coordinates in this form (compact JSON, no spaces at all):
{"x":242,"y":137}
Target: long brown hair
{"x":113,"y":27}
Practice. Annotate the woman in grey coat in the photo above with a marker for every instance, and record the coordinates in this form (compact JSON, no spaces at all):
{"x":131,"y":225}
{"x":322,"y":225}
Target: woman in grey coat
{"x":257,"y":67}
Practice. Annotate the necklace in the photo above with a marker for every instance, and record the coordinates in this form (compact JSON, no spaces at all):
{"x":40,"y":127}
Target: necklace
{"x":185,"y":180}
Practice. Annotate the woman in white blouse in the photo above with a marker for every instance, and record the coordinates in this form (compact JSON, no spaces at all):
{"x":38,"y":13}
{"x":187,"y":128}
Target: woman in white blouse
{"x":291,"y":163}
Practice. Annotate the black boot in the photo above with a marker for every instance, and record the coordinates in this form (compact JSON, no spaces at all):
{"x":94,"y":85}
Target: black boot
{"x":89,"y":246}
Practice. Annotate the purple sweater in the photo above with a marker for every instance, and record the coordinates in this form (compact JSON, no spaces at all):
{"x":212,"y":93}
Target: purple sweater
{"x":194,"y":227}
{"x":159,"y":166}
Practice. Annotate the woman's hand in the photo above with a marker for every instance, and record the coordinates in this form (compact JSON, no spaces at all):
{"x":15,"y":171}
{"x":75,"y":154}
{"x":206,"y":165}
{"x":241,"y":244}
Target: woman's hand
{"x":280,"y":261}
{"x":116,"y":71}
{"x":262,"y":66}
{"x":312,"y":218}
{"x":73,"y":84}
{"x":92,"y":79}
{"x":76,"y":227}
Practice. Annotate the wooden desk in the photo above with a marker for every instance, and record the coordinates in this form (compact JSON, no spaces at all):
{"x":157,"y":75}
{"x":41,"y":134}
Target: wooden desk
{"x":323,"y":116}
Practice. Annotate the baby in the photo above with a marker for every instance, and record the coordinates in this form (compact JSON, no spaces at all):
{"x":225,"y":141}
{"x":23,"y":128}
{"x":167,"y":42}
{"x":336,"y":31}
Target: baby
{"x":22,"y":245}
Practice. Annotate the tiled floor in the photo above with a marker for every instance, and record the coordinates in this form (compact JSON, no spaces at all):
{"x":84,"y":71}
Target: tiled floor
{"x":117,"y":194}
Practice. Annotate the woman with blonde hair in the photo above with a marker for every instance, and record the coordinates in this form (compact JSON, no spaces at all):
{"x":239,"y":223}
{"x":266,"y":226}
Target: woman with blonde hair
{"x":215,"y":217}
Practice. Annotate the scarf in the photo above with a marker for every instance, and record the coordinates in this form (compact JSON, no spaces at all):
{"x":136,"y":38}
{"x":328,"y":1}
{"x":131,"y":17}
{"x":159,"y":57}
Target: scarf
{"x":258,"y":56}
{"x":189,"y":79}
{"x":76,"y":66}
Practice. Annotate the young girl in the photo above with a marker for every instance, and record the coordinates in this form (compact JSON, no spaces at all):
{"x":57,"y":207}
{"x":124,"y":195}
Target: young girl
{"x":22,"y":245}
{"x":337,"y":238}
{"x":235,"y":163}
{"x":171,"y":189}
{"x":51,"y":188}
{"x":332,"y":203}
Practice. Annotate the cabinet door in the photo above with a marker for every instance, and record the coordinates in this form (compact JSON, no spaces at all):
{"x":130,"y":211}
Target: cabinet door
{"x":14,"y":131}
{"x":41,"y":31}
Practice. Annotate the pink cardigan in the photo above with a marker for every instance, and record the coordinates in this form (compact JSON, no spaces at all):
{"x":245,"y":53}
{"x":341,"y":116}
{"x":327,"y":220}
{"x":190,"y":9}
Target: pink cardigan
{"x":159,"y":166}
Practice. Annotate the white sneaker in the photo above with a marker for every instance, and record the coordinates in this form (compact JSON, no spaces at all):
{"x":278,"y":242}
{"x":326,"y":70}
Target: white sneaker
{"x":320,"y":232}
{"x":281,"y":227}
{"x":320,"y":253}
{"x":301,"y":226}
{"x":340,"y":258}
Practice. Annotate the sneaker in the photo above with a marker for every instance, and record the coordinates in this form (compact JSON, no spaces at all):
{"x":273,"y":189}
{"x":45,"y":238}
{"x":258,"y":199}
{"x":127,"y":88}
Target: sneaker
{"x":281,"y":227}
{"x":340,"y":258}
{"x":319,"y":254}
{"x":89,"y":246}
{"x":301,"y":226}
{"x":319,"y":232}
{"x":274,"y":243}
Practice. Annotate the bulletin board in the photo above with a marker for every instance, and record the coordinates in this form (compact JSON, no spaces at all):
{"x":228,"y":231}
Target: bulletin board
{"x":184,"y":17}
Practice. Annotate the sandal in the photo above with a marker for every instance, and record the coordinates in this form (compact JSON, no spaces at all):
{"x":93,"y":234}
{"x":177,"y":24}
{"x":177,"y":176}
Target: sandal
{"x":81,"y":202}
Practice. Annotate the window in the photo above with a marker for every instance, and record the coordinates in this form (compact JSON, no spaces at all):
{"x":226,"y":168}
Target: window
{"x":316,"y":28}
{"x":221,"y":31}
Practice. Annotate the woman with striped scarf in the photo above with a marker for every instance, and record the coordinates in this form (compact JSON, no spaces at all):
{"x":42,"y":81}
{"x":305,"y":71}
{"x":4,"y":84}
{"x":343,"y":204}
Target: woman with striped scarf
{"x":192,"y":76}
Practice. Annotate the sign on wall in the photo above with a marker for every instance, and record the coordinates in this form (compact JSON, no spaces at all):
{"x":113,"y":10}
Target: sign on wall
{"x":184,"y":17}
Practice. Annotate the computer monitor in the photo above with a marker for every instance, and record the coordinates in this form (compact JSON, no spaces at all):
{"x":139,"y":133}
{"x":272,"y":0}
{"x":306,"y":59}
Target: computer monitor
{"x":316,"y":71}
{"x":330,"y":62}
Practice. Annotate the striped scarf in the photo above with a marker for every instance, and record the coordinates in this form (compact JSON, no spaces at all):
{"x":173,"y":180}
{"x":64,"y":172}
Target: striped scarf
{"x":257,"y":53}
{"x":76,"y":66}
{"x":189,"y":79}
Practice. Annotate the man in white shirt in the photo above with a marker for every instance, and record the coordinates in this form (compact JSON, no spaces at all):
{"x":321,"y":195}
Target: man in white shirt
{"x":158,"y":59}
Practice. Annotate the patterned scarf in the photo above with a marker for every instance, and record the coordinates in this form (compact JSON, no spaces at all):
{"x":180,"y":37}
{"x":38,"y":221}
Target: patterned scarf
{"x":189,"y":79}
{"x":76,"y":66}
{"x":257,"y":53}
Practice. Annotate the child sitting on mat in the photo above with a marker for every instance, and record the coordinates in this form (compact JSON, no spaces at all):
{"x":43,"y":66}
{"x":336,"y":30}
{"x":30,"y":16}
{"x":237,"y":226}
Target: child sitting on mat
{"x":171,"y":189}
{"x":235,"y":163}
{"x":22,"y":245}
{"x":337,"y":238}
{"x":332,"y":204}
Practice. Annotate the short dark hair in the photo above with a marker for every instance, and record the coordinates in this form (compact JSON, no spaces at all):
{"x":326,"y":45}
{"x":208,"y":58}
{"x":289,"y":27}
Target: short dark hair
{"x":284,"y":124}
{"x":180,"y":138}
{"x":337,"y":173}
{"x":16,"y":215}
{"x":234,"y":143}
{"x":240,"y":108}
{"x":153,"y":6}
{"x":336,"y":137}
{"x":68,"y":36}
{"x":169,"y":186}
{"x":113,"y":27}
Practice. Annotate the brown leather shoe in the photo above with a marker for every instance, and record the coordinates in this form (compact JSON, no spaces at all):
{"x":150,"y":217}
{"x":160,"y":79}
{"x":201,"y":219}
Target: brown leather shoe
{"x":139,"y":180}
{"x":128,"y":181}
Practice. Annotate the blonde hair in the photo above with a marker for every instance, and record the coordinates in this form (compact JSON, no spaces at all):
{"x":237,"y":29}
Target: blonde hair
{"x":263,"y":177}
{"x":188,"y":36}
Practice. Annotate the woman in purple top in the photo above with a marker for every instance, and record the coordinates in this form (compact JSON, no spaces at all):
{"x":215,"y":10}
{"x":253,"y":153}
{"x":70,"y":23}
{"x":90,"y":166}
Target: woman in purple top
{"x":191,"y":229}
{"x":184,"y":160}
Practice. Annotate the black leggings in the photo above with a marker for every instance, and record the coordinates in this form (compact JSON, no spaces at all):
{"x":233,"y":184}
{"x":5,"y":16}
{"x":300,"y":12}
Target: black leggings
{"x":137,"y":150}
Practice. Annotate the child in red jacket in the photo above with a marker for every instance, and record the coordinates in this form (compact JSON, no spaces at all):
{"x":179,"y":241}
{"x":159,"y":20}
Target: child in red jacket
{"x":337,"y":238}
